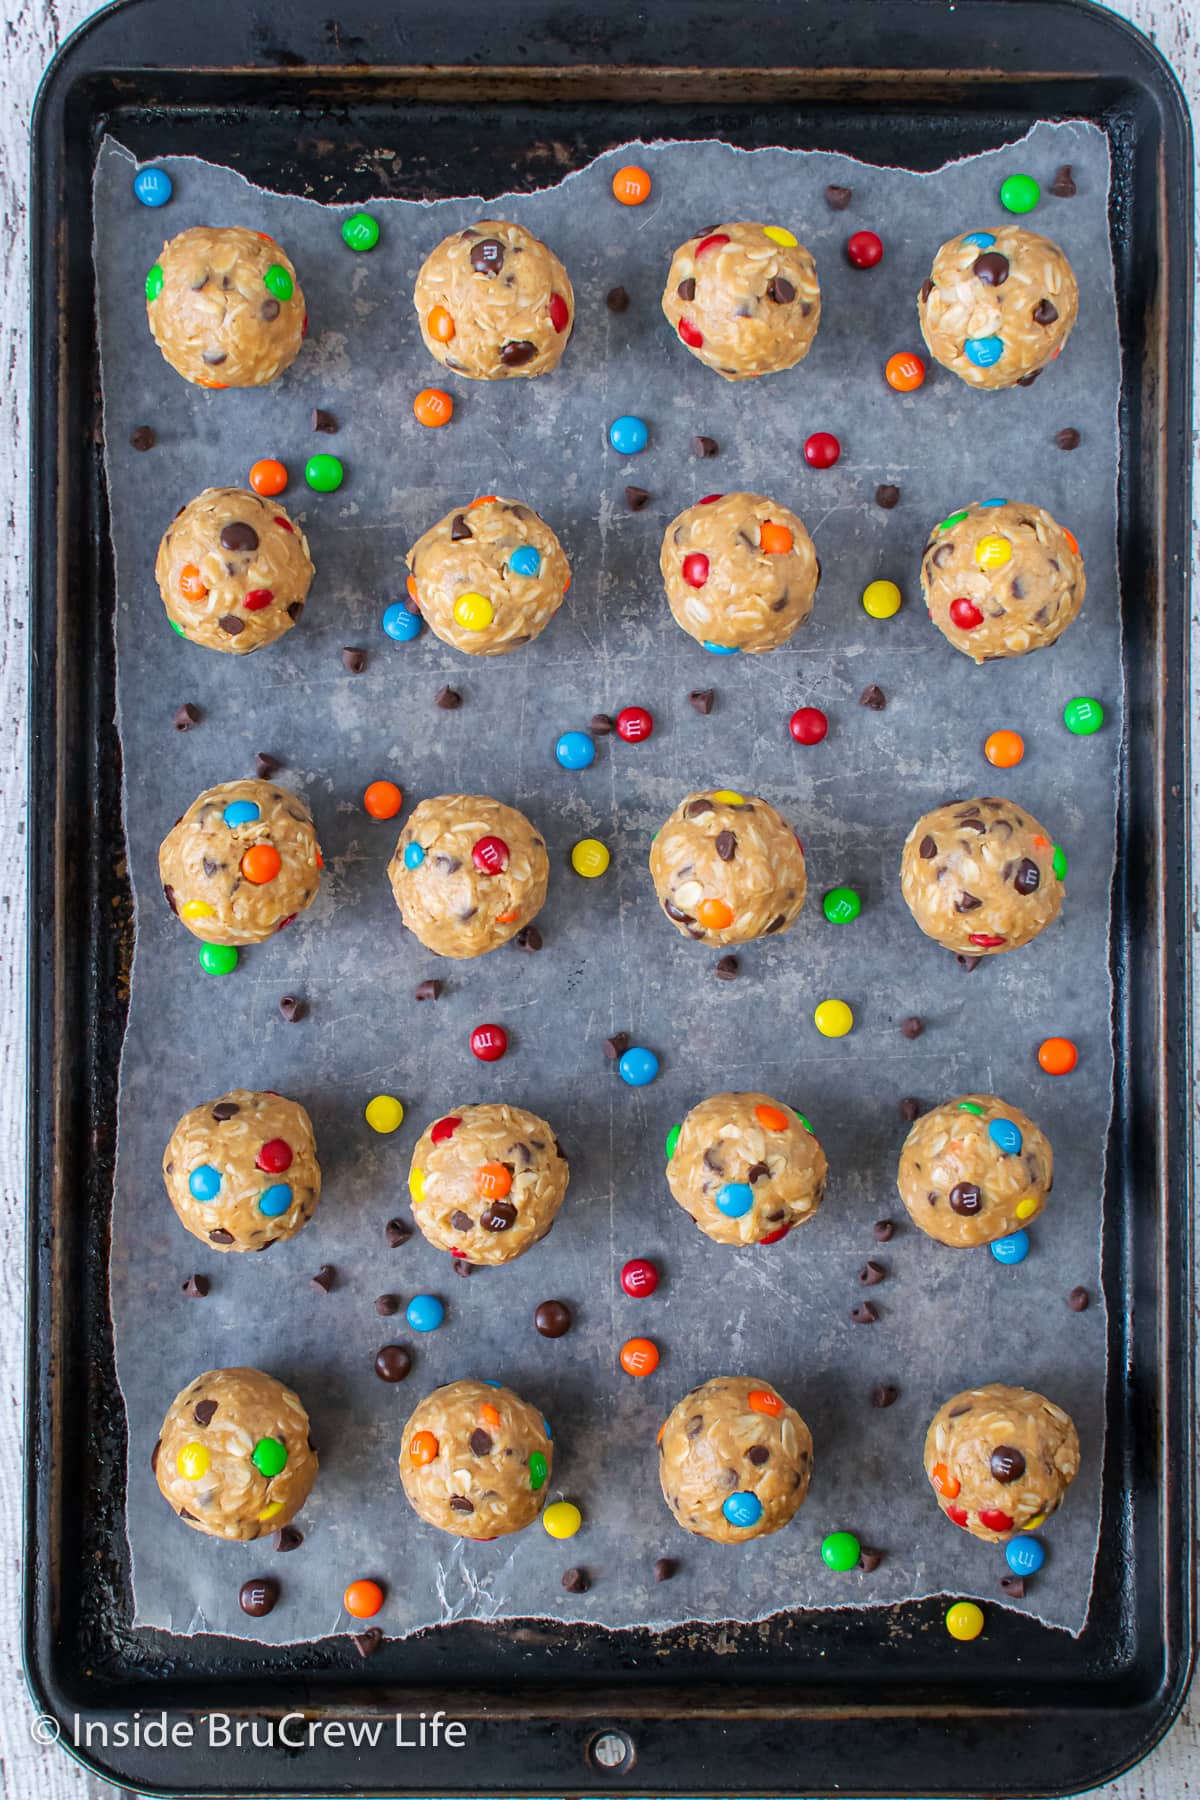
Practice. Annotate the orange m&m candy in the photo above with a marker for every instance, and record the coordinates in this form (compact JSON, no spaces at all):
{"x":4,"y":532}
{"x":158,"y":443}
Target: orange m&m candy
{"x":382,"y":800}
{"x":771,"y":1118}
{"x":411,"y":588}
{"x":1072,"y":540}
{"x":760,"y":1401}
{"x":714,"y":915}
{"x":268,"y":476}
{"x":190,"y":584}
{"x":363,"y":1599}
{"x":261,"y":863}
{"x":493,"y":1180}
{"x":947,"y":1485}
{"x":422,"y":1448}
{"x":905,"y":371}
{"x":1057,"y":1056}
{"x":482,"y":500}
{"x":631,"y":185}
{"x":440,"y":325}
{"x":639,"y":1357}
{"x":1004,"y":749}
{"x":489,"y":1414}
{"x":433,"y":406}
{"x":774,"y":540}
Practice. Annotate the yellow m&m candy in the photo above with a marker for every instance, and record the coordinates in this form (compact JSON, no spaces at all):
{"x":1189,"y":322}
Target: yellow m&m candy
{"x":563,"y":1519}
{"x":779,"y":234}
{"x":590,"y":857}
{"x":993,"y":552}
{"x":474,"y":612}
{"x":416,"y":1184}
{"x":727,"y":797}
{"x":384,"y":1113}
{"x":197,"y":909}
{"x":193,"y":1461}
{"x":964,"y":1621}
{"x":833,"y":1018}
{"x":881,"y":599}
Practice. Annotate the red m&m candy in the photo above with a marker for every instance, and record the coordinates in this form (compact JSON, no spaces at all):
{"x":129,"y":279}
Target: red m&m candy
{"x":994,"y":1520}
{"x":711,"y":242}
{"x":808,"y":725}
{"x":821,"y":450}
{"x":274,"y":1157}
{"x":688,"y":332}
{"x":634,"y":724}
{"x":864,"y":249}
{"x":490,"y":855}
{"x":773,"y":1237}
{"x":558,"y":312}
{"x":695,"y":568}
{"x":489,"y":1042}
{"x":965,"y":614}
{"x":958,"y":1515}
{"x":445,"y":1128}
{"x":639,"y":1278}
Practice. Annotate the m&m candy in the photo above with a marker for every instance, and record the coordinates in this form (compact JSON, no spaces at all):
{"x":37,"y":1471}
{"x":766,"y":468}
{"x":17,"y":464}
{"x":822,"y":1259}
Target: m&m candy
{"x":808,"y":725}
{"x":743,"y":1510}
{"x":628,"y":434}
{"x":241,"y":812}
{"x":1011,"y":1249}
{"x":984,"y":351}
{"x":634,"y":724}
{"x":360,"y":232}
{"x":631,"y":185}
{"x":489,"y":1042}
{"x":734,"y":1199}
{"x":324,"y":473}
{"x":1024,"y":1555}
{"x":474,"y":612}
{"x":905,"y":371}
{"x":1083,"y":715}
{"x":833,"y":1018}
{"x":841,"y":905}
{"x":639,"y":1357}
{"x":590,"y":858}
{"x":1057,"y":1055}
{"x":1006,"y":1136}
{"x":575,"y":750}
{"x":1004,"y":749}
{"x":363,"y":1599}
{"x":639,"y":1278}
{"x":840,"y":1550}
{"x":864,"y":249}
{"x":964,"y":1621}
{"x":1019,"y":194}
{"x":490,"y":855}
{"x":965,"y":614}
{"x":638,"y":1066}
{"x":401,"y":623}
{"x":153,"y":187}
{"x":525,"y":560}
{"x":424,"y":1312}
{"x":268,"y":476}
{"x":881,"y":599}
{"x":204,"y":1182}
{"x":433,"y":407}
{"x":218,"y":959}
{"x":382,"y":800}
{"x":821,"y":450}
{"x":563,"y":1519}
{"x":414,"y":856}
{"x":269,"y":1457}
{"x":384,"y":1114}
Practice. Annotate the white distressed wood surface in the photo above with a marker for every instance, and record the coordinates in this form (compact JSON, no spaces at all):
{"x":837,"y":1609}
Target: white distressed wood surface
{"x":32,"y":30}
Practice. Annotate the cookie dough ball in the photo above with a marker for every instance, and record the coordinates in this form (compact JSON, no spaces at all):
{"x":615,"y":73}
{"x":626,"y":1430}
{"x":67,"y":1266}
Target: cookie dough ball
{"x":242,"y":1171}
{"x":1001,"y":579}
{"x":746,"y":1168}
{"x":740,"y":572}
{"x":241,"y":863}
{"x":1000,"y":1459}
{"x":468,"y":874}
{"x":973,"y":1170}
{"x":233,"y":571}
{"x":489,"y":576}
{"x":728,"y":869}
{"x":225,"y":306}
{"x":234,"y":1456}
{"x":493,"y":301}
{"x":744,"y":299}
{"x":734,"y":1460}
{"x":475,"y":1460}
{"x":998,"y":306}
{"x":981,"y":876}
{"x":487,"y":1182}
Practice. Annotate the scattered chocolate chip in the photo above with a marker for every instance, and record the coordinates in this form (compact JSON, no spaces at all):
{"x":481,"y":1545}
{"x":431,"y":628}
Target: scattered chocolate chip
{"x":1079,"y":1299}
{"x":517,"y":352}
{"x":872,"y":1273}
{"x":288,"y":1538}
{"x":884,"y":1393}
{"x":1067,"y":438}
{"x":910,"y":1109}
{"x":221,"y":1236}
{"x":1013,"y":1586}
{"x":459,"y":529}
{"x":687,"y":288}
{"x":480,"y":1442}
{"x":912,"y":1028}
{"x":552,"y":1319}
{"x":292,"y":1008}
{"x":967,"y":963}
{"x":602,"y":724}
{"x":258,"y":1596}
{"x":728,"y":969}
{"x":873,"y":698}
{"x":143,"y":438}
{"x":397,"y":1232}
{"x":664,"y":1568}
{"x":991,"y":268}
{"x":428,"y":990}
{"x":705,"y":446}
{"x":576,"y":1581}
{"x":636,"y":498}
{"x":726,"y":845}
{"x":702,"y":700}
{"x":1045,"y":313}
{"x":965,"y":1199}
{"x":487,"y":256}
{"x":231,"y":625}
{"x":187,"y":716}
{"x":355,"y":661}
{"x":528,"y":938}
{"x":204,"y":1412}
{"x":1063,"y":186}
{"x":265,"y":766}
{"x":780,"y":291}
{"x":237,"y":535}
{"x":386,"y":1305}
{"x":869,"y":1560}
{"x":1028,"y":380}
{"x":864,"y":1313}
{"x":617,"y":300}
{"x":887,"y":495}
{"x":1006,"y":1463}
{"x":462,"y":1267}
{"x":927,"y":849}
{"x":758,"y":1454}
{"x":448,"y":698}
{"x":883,"y":1231}
{"x":837,"y":199}
{"x":616,"y":1045}
{"x":196,"y":1287}
{"x":322,"y":420}
{"x":367,"y":1642}
{"x":323,"y":1279}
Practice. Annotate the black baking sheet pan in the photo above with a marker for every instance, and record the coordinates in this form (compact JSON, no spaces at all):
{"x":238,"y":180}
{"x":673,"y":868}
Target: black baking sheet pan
{"x":483,"y":97}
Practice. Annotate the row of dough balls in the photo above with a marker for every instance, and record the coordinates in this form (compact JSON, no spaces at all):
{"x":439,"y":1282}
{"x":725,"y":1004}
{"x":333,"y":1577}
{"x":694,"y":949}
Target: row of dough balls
{"x":236,"y":1461}
{"x":999,"y":578}
{"x":487,"y":1181}
{"x":468,"y":874}
{"x":226,"y":308}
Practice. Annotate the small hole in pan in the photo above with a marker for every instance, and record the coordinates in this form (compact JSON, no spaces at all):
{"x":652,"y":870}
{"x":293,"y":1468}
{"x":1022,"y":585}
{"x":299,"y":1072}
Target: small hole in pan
{"x":611,"y":1752}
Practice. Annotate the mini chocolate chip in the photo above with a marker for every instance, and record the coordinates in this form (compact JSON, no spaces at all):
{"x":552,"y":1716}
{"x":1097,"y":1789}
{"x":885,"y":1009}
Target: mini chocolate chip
{"x":873,"y":698}
{"x":461,"y":1221}
{"x":602,"y":724}
{"x":910,"y":1109}
{"x":967,"y":963}
{"x":322,"y":420}
{"x":701,"y":699}
{"x":187,"y":716}
{"x":726,"y":845}
{"x":237,"y":535}
{"x":872,"y":1273}
{"x":231,"y":624}
{"x":1006,"y":1463}
{"x":576,"y":1581}
{"x":392,"y":1362}
{"x":196,"y":1287}
{"x":912,"y":1027}
{"x":759,"y":1172}
{"x":617,"y":300}
{"x":528,"y":938}
{"x":265,"y":766}
{"x":636,"y":498}
{"x":460,"y":529}
{"x":837,"y":199}
{"x":687,"y":288}
{"x":517,"y":352}
{"x":967,"y":902}
{"x":1067,"y":438}
{"x":727,"y":969}
{"x":269,"y":310}
{"x":354,"y":660}
{"x":397,"y":1232}
{"x":386,"y":1305}
{"x":885,"y":1393}
{"x":214,"y":358}
{"x":367,"y":1642}
{"x":487,"y":256}
{"x":288,"y":1538}
{"x":965,"y":1199}
{"x":220,"y":1236}
{"x":927,"y":849}
{"x":780,"y":290}
{"x":143,"y":438}
{"x":1026,"y":381}
{"x":926,"y":289}
{"x":1045,"y":313}
{"x":1013,"y":1586}
{"x":1028,"y":878}
{"x":448,"y":698}
{"x":1063,"y":186}
{"x":323,"y":1279}
{"x":699,"y":806}
{"x":1079,"y":1299}
{"x":428,"y":990}
{"x":864,"y":1313}
{"x":204,"y":1412}
{"x":883,"y":1231}
{"x":295,"y":609}
{"x":552,"y":1319}
{"x":869,"y":1560}
{"x":292,"y":1008}
{"x":462,"y":1267}
{"x":616,"y":1045}
{"x":705,"y":446}
{"x":460,"y":1503}
{"x":664,"y":1568}
{"x":991,"y":268}
{"x":480,"y":1442}
{"x":887,"y":495}
{"x":758,"y":1455}
{"x":258,"y":1596}
{"x":225,"y":1109}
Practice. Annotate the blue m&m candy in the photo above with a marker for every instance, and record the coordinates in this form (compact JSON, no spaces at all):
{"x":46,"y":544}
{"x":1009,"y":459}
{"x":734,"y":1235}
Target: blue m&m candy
{"x":743,"y":1510}
{"x":1005,"y":1136}
{"x":153,"y":187}
{"x":525,"y":560}
{"x":993,"y":503}
{"x":241,"y":812}
{"x":983,"y":239}
{"x":638,"y":1067}
{"x":735,"y":1199}
{"x":275,"y":1200}
{"x":401,"y":623}
{"x":1011,"y":1249}
{"x":1024,"y":1555}
{"x":721,"y":649}
{"x":628,"y":435}
{"x":204,"y":1183}
{"x":575,"y":750}
{"x":985,"y":351}
{"x":424,"y":1312}
{"x":414,"y":856}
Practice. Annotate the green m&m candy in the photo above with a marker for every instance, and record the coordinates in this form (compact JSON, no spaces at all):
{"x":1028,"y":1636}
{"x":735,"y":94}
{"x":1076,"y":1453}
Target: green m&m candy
{"x":218,"y":959}
{"x":269,"y":1457}
{"x":324,"y":473}
{"x":841,"y":905}
{"x":1060,"y":862}
{"x":537,"y":1470}
{"x":804,"y":1122}
{"x":176,"y":626}
{"x":969,"y":1106}
{"x":154,"y":282}
{"x":672,"y":1140}
{"x":1019,"y":194}
{"x":1083,"y":715}
{"x":277,"y":281}
{"x":360,"y":232}
{"x":954,"y":519}
{"x":841,"y":1550}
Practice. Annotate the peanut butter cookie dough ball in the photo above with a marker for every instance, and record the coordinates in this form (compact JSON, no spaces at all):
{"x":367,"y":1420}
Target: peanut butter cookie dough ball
{"x":1001,"y":579}
{"x":745,"y":299}
{"x":487,"y":1182}
{"x":233,"y":571}
{"x":242,"y":1171}
{"x":734,"y":1460}
{"x":998,"y":306}
{"x":475,"y":1459}
{"x":225,"y":306}
{"x":468,"y":874}
{"x":1000,"y":1459}
{"x":489,"y":576}
{"x":728,"y":869}
{"x":974,"y":1170}
{"x":493,"y":301}
{"x":746,"y":1168}
{"x":981,"y":876}
{"x":740,"y":572}
{"x":234,"y":1456}
{"x":241,"y":863}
